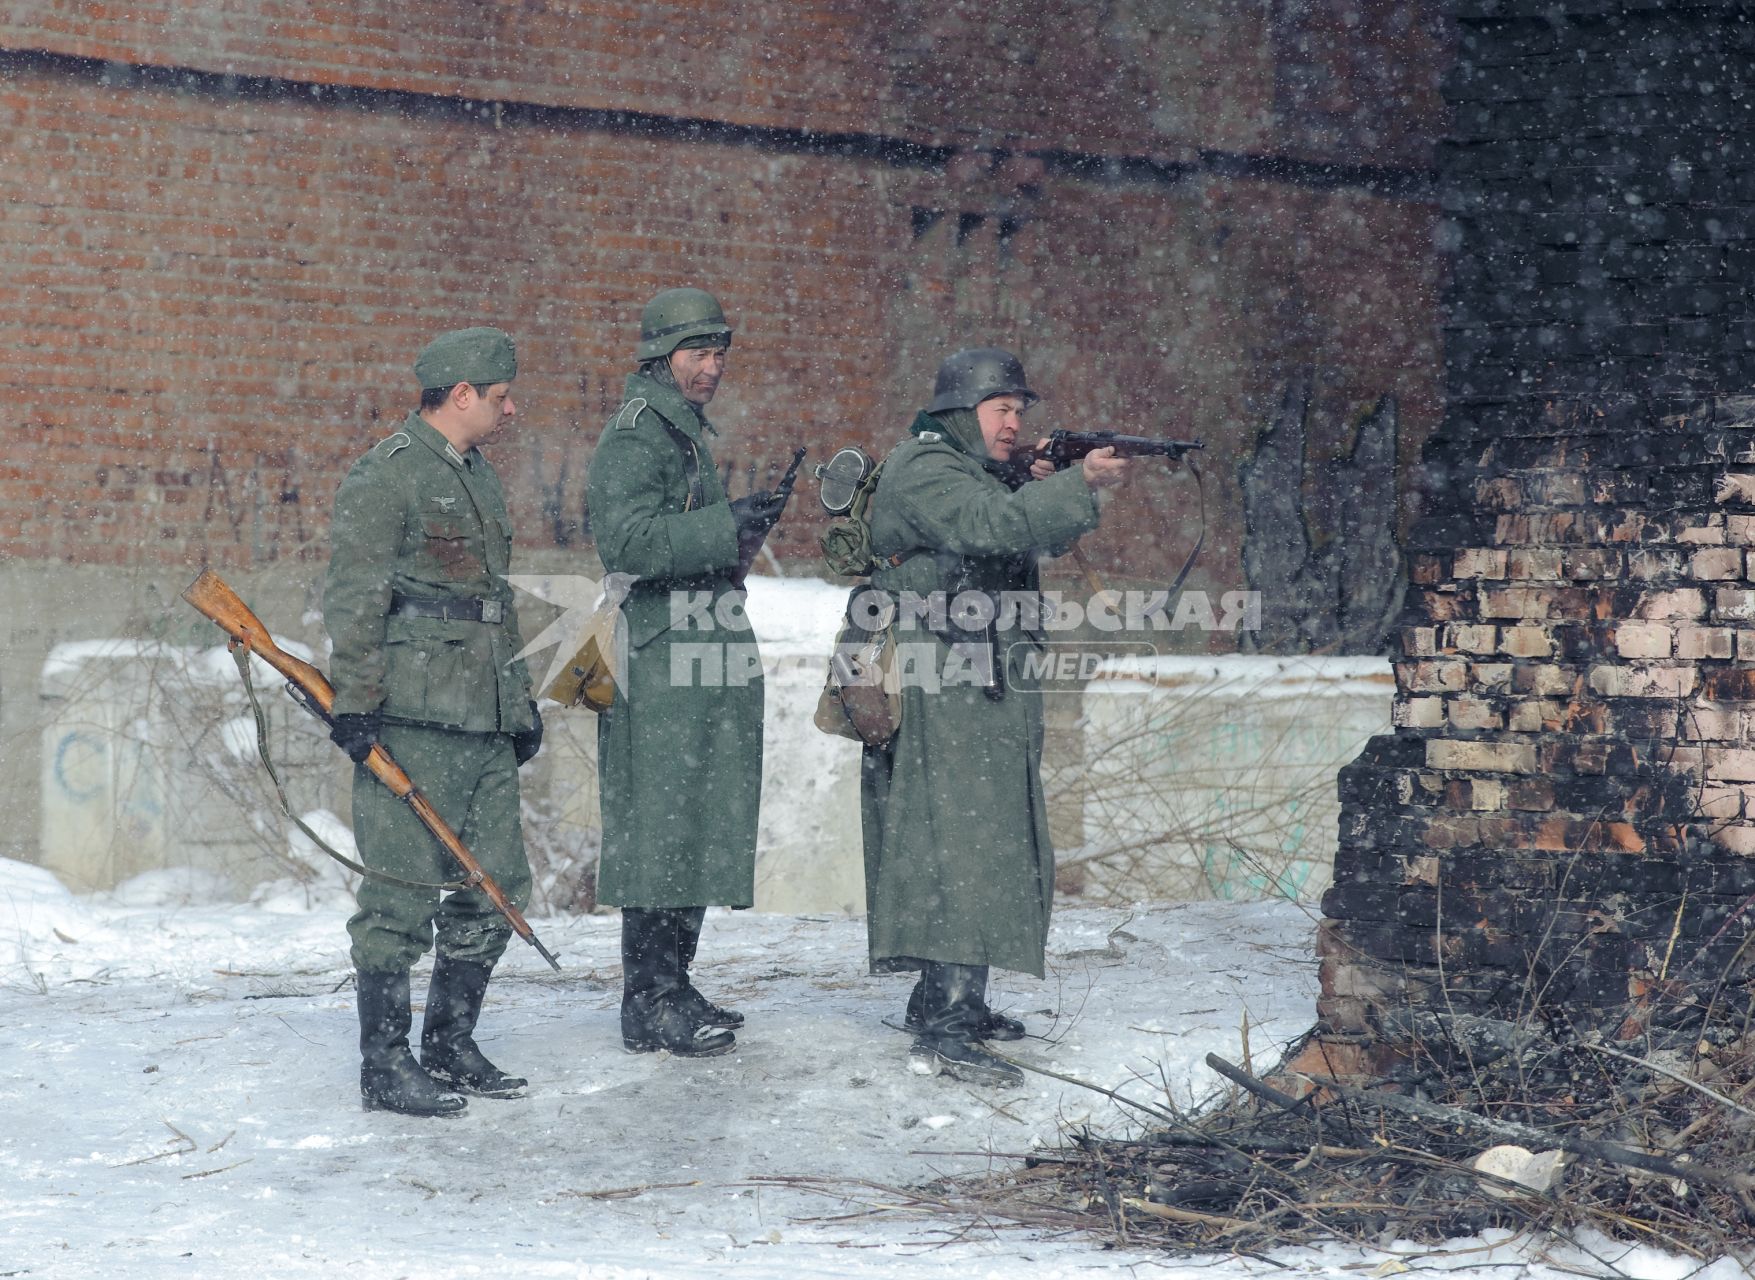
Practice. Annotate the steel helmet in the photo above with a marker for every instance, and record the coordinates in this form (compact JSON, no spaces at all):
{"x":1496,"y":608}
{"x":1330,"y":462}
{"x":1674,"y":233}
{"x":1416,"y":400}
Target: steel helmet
{"x":675,"y":316}
{"x":976,"y":374}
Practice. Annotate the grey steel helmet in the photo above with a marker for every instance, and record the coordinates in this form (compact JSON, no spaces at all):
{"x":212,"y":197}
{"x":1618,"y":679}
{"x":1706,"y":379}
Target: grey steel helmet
{"x":976,"y":374}
{"x":675,"y":316}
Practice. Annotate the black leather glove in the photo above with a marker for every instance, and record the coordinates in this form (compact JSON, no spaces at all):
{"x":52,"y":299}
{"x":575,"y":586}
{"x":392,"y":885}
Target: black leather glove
{"x":527,"y":742}
{"x":356,"y":732}
{"x":755,"y":514}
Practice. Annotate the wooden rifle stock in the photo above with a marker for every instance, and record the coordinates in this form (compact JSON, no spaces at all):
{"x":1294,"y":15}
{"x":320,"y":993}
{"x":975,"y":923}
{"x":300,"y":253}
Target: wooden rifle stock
{"x":214,"y":599}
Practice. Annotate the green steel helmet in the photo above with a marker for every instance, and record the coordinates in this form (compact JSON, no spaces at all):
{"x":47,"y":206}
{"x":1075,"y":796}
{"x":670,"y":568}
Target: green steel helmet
{"x":976,"y":374}
{"x":674,"y":317}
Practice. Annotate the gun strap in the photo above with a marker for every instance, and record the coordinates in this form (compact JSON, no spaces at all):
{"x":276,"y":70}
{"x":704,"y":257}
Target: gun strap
{"x":691,"y":460}
{"x":1200,"y":489}
{"x":241,"y":655}
{"x":1092,"y":579}
{"x":1095,"y":582}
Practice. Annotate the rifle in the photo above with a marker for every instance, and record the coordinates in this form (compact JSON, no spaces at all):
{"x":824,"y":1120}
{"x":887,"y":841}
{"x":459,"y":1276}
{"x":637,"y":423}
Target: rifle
{"x":307,"y":686}
{"x":783,"y":492}
{"x":1067,"y":447}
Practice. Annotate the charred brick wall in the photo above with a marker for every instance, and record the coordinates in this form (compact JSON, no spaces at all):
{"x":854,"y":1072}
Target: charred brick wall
{"x":1565,"y":813}
{"x":232,"y":225}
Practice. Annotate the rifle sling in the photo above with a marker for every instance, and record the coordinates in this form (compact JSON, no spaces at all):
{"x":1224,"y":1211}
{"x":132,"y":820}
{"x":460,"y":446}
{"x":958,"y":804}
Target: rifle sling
{"x":1093,"y":579}
{"x":1095,"y":582}
{"x":1200,"y":489}
{"x":691,"y":461}
{"x":241,"y":655}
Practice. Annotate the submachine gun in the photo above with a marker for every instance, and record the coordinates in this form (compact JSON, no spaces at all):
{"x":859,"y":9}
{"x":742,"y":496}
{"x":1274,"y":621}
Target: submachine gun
{"x":1067,"y":447}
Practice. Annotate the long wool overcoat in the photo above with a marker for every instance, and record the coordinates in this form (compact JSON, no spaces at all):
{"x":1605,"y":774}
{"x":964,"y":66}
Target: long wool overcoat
{"x":958,"y":864}
{"x":679,"y":754}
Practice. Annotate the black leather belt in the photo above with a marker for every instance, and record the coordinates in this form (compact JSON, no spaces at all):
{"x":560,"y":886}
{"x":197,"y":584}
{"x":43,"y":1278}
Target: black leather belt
{"x":470,"y":610}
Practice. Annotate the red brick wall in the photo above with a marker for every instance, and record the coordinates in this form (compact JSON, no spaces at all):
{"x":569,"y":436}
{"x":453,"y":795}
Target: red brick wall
{"x":210,"y":300}
{"x":744,"y":62}
{"x":210,"y":306}
{"x":1338,"y":79}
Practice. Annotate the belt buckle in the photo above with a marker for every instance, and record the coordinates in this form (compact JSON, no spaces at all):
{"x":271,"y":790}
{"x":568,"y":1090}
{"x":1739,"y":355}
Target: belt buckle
{"x":493,"y":611}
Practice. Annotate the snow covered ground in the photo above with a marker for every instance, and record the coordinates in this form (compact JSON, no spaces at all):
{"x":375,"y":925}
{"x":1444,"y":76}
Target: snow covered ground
{"x":180,"y":1099}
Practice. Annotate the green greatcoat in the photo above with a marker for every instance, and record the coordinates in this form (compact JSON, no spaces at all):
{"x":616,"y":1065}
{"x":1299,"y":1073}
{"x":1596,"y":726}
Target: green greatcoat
{"x":959,"y":868}
{"x":415,"y":518}
{"x":679,"y":753}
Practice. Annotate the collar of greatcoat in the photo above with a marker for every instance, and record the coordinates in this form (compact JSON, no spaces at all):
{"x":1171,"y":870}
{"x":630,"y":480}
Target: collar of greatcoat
{"x":961,"y":429}
{"x":669,"y":404}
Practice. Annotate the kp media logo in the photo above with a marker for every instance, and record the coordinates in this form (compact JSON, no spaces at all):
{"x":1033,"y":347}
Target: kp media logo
{"x":587,"y":605}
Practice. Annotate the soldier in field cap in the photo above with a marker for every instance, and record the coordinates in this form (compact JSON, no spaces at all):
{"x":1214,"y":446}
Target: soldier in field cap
{"x":424,"y":631}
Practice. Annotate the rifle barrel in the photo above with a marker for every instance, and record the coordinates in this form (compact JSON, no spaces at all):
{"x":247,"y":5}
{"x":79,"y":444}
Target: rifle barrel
{"x":784,"y":488}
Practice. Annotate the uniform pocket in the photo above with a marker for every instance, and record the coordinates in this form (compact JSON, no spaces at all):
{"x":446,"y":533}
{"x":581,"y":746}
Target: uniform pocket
{"x":425,"y":680}
{"x":449,"y":544}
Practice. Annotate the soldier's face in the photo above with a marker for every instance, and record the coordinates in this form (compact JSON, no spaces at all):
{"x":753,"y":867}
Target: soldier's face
{"x":1001,"y":418}
{"x":489,"y":413}
{"x":697,"y":371}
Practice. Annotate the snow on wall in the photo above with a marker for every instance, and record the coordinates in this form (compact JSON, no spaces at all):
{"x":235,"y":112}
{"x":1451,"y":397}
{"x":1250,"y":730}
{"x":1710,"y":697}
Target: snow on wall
{"x":1221,"y":767}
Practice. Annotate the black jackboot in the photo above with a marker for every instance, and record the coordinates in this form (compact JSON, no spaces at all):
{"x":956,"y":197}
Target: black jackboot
{"x":390,"y":1078}
{"x":688,"y":938}
{"x":994,"y":1026}
{"x":447,"y":1038}
{"x":951,"y":1016}
{"x":654,"y":1013}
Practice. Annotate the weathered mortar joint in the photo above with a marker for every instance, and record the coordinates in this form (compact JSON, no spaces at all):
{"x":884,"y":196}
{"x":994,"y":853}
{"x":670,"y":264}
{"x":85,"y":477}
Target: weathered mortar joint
{"x":1563,"y":822}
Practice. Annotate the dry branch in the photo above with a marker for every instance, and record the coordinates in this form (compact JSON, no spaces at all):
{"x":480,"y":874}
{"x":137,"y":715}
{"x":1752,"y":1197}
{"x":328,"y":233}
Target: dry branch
{"x":1261,"y":1170}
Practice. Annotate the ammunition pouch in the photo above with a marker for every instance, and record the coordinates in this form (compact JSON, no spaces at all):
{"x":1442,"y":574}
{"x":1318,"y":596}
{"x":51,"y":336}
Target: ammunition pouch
{"x":846,"y":545}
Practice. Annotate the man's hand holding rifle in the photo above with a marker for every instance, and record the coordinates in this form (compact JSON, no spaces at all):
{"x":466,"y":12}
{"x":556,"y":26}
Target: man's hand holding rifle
{"x":757,"y":513}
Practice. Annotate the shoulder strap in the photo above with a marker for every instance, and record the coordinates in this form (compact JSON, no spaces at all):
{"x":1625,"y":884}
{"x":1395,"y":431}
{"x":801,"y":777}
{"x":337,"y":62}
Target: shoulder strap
{"x":861,"y":508}
{"x":691,"y":463}
{"x":863,"y":494}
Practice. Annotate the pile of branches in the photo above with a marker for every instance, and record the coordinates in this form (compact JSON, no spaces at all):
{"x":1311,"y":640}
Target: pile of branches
{"x":1481,"y":1123}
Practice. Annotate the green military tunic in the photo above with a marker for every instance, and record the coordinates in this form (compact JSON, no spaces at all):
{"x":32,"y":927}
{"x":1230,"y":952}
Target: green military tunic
{"x":416,"y":519}
{"x":959,"y":868}
{"x":679,"y":753}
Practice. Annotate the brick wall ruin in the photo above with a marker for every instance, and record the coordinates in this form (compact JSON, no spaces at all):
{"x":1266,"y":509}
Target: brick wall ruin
{"x":1563,"y":820}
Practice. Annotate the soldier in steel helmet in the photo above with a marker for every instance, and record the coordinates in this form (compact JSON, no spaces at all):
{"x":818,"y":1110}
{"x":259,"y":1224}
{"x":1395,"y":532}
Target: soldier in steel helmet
{"x":959,"y":869}
{"x":679,"y":754}
{"x":425,"y":639}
